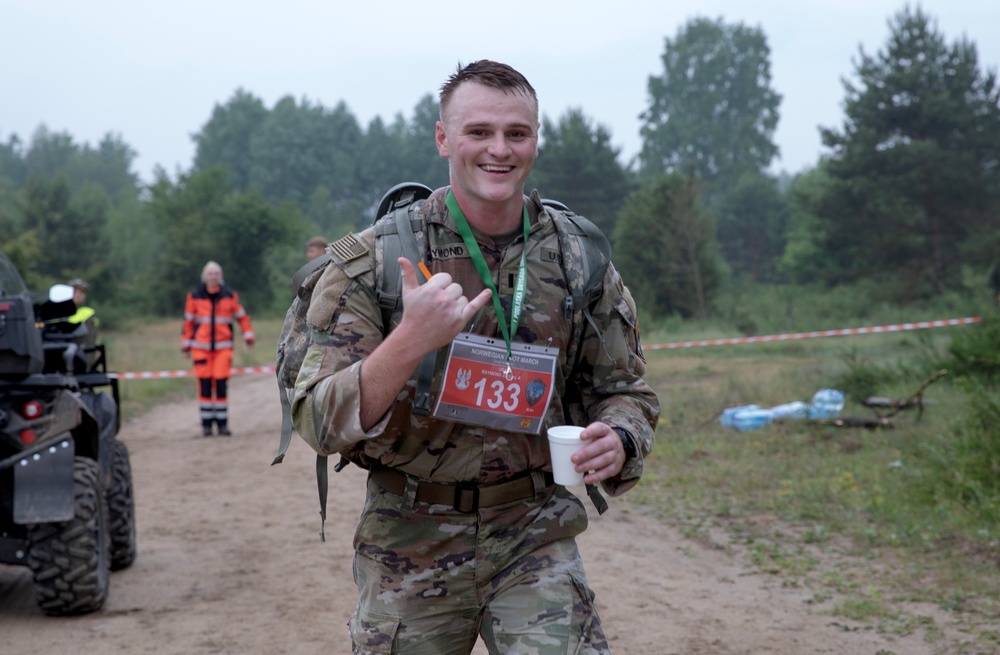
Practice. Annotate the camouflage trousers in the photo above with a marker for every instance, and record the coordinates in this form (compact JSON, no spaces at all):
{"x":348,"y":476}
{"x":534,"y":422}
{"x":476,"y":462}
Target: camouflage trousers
{"x":431,"y":580}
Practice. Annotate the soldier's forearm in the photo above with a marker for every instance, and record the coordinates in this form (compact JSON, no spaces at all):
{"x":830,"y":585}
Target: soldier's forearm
{"x":383,"y":374}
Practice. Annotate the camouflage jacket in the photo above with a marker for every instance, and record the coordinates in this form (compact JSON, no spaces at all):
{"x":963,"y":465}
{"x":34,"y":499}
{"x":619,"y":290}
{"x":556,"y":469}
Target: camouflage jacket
{"x":346,"y":325}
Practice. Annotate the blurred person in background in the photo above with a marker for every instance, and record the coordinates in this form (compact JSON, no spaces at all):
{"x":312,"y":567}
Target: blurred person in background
{"x":315,"y":247}
{"x":207,"y":338}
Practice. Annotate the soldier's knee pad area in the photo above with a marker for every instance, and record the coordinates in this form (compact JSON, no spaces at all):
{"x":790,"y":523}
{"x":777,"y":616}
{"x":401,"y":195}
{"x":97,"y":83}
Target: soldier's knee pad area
{"x":554,"y":616}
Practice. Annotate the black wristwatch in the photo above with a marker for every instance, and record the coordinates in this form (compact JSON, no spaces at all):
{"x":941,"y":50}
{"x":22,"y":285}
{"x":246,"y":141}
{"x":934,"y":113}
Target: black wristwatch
{"x":627,"y":443}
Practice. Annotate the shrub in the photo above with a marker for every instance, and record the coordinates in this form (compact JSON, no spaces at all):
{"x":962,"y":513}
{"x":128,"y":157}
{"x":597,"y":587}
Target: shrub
{"x":966,"y":468}
{"x":975,"y":352}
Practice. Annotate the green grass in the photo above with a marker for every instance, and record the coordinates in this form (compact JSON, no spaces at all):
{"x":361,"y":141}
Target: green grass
{"x":886,"y":496}
{"x":866,"y":520}
{"x":142,"y":346}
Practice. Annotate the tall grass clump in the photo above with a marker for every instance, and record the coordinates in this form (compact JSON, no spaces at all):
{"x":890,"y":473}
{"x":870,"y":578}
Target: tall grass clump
{"x":863,"y":377}
{"x":964,"y":469}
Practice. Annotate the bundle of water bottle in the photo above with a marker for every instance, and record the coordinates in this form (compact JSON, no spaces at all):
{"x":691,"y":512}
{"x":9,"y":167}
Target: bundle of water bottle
{"x":826,"y":403}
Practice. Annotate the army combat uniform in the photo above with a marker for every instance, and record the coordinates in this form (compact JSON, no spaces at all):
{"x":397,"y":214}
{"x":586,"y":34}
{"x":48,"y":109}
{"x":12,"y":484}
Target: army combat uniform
{"x":463,"y":530}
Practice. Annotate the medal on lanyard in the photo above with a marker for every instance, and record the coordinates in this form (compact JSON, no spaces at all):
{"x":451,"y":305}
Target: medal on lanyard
{"x":517,"y":304}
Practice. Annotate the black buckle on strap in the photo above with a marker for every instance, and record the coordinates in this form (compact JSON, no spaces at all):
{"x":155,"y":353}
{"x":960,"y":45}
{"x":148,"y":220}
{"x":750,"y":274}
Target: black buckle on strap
{"x":466,"y":497}
{"x":421,"y":404}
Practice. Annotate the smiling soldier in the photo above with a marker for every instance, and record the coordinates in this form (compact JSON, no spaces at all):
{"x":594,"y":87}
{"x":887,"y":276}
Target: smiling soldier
{"x":464,"y":534}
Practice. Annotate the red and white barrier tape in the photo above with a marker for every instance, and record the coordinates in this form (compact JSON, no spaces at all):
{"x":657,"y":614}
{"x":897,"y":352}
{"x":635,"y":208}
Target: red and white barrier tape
{"x":153,"y":375}
{"x":876,"y":329}
{"x":817,"y":334}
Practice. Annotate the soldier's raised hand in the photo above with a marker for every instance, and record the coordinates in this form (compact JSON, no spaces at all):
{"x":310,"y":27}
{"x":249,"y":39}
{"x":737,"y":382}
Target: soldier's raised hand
{"x":435,"y":312}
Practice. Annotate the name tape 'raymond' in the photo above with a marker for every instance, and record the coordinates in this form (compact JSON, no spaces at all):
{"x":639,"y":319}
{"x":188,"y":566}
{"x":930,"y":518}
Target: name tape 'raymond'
{"x":818,"y":334}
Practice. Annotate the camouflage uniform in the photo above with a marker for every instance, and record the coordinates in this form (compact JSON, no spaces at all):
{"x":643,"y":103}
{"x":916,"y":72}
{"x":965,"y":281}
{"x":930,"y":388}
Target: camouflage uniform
{"x":431,"y":577}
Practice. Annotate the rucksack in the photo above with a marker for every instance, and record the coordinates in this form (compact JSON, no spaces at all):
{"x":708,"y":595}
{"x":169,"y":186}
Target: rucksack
{"x":395,"y":225}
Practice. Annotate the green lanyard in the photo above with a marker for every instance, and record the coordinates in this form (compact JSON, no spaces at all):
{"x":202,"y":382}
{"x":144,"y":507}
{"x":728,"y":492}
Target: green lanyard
{"x":517,"y":305}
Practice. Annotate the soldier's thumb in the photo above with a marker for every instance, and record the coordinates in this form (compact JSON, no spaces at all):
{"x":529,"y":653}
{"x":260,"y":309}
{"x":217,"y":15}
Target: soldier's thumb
{"x":409,"y":274}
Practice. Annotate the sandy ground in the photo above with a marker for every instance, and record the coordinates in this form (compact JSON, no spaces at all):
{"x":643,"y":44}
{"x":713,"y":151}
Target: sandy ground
{"x":230,"y":562}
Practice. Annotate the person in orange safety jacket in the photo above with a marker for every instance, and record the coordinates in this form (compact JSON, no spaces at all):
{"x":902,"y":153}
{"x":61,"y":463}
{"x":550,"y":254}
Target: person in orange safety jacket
{"x":207,"y":338}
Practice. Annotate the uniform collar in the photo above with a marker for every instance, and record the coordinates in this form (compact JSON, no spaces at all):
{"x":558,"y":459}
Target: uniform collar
{"x":434,"y":211}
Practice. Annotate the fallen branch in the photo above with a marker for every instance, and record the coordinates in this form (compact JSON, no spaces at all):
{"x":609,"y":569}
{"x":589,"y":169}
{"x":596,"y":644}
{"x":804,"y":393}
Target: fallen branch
{"x":916,"y":398}
{"x":870,"y":422}
{"x":880,"y":402}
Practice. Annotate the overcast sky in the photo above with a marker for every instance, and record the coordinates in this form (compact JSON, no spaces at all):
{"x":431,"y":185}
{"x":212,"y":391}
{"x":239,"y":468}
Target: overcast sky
{"x":152,"y":71}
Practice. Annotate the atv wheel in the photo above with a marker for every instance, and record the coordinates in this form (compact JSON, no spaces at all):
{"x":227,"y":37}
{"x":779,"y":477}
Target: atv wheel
{"x":70,"y":560}
{"x":121,"y":509}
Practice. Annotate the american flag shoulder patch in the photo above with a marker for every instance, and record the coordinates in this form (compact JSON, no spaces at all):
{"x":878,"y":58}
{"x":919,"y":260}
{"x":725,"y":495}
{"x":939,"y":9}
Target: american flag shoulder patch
{"x":348,"y":248}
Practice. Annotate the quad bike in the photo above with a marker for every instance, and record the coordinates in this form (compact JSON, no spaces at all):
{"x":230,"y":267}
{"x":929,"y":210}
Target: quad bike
{"x":67,"y":508}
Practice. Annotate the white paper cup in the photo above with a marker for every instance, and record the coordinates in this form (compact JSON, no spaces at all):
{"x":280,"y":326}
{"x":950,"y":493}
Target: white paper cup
{"x":564,"y":440}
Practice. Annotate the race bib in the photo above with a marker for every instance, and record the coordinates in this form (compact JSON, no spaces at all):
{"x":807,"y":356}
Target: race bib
{"x":481,"y":387}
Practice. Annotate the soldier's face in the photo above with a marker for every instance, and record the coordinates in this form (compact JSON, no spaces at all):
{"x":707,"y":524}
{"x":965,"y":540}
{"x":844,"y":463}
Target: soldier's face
{"x":490,"y":139}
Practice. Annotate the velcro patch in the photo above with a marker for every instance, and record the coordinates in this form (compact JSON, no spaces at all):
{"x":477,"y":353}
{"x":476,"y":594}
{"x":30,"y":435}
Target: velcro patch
{"x":348,"y":248}
{"x":551,"y":255}
{"x":450,"y":251}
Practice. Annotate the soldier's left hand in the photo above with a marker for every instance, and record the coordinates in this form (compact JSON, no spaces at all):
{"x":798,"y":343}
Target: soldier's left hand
{"x":603,"y":457}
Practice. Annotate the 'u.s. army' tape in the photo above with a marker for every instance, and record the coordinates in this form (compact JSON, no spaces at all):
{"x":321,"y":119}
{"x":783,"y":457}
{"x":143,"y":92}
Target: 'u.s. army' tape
{"x":818,"y":334}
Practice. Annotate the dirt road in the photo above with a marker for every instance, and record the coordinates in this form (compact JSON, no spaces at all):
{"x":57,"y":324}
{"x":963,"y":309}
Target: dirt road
{"x":230,"y":562}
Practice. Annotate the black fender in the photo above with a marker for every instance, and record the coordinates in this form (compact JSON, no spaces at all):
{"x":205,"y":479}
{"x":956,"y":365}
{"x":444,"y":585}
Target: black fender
{"x":95,"y":436}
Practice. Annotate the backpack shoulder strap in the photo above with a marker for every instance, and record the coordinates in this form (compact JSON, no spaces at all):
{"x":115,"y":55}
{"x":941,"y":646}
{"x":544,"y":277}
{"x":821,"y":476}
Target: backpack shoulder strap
{"x":596,"y":259}
{"x":594,"y":248}
{"x":399,"y":196}
{"x":398,"y":238}
{"x":307,"y":270}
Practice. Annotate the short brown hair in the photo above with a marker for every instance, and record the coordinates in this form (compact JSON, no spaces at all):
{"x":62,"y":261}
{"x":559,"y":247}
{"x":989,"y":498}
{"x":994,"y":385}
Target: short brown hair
{"x":319,"y":242}
{"x":490,"y":73}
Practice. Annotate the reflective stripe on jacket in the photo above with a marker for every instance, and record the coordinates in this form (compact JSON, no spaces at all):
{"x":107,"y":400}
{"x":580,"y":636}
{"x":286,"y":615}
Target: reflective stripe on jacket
{"x":208,"y":319}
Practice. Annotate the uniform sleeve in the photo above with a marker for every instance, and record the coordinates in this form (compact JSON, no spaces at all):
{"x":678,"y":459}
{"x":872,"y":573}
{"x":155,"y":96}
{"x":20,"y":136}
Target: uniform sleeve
{"x":611,"y":380}
{"x":345,"y":326}
{"x":188,"y":327}
{"x":241,"y":315}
